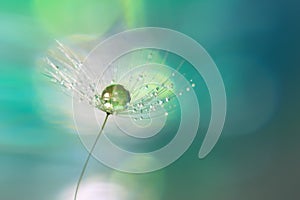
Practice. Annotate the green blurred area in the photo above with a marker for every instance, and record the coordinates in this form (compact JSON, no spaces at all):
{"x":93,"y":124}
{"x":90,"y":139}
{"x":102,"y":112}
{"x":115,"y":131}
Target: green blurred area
{"x":255,"y":45}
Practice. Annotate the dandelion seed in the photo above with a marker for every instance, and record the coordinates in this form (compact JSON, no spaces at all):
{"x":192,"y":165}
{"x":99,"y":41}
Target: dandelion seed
{"x":134,"y":97}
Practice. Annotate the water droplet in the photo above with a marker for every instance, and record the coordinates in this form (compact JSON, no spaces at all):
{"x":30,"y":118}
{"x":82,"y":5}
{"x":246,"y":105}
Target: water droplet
{"x":180,"y":93}
{"x":140,"y":105}
{"x":187,"y":89}
{"x":193,"y":85}
{"x":173,"y":74}
{"x":166,"y":114}
{"x":140,"y":77}
{"x":191,"y":80}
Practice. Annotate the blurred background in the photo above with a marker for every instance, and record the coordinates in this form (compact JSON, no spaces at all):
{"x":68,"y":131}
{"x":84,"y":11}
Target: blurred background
{"x":255,"y":45}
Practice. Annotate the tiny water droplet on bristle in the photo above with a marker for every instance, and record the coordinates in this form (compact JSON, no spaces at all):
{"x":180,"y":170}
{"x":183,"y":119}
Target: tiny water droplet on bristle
{"x":140,"y":77}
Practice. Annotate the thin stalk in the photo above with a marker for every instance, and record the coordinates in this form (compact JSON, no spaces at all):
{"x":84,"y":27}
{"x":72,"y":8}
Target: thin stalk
{"x":89,"y":156}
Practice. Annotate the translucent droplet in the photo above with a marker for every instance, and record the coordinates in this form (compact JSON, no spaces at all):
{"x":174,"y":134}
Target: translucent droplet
{"x":191,"y":80}
{"x":140,"y":105}
{"x":173,"y":74}
{"x":166,"y":114}
{"x":112,"y":103}
{"x":140,"y":77}
{"x":180,"y":93}
{"x":193,"y":84}
{"x":187,"y":89}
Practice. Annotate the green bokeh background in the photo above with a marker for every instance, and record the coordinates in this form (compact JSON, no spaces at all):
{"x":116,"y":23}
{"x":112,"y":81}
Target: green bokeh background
{"x":255,"y":44}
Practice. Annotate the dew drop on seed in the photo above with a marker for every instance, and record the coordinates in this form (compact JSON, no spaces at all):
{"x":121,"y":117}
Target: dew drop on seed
{"x":140,"y":77}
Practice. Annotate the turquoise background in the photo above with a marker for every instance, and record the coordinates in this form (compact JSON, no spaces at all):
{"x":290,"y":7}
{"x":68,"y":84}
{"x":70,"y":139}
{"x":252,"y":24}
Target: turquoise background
{"x":255,"y":45}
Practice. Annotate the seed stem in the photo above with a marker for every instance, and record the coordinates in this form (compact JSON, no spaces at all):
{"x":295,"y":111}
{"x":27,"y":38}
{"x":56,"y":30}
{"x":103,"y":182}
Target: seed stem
{"x":89,"y":156}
